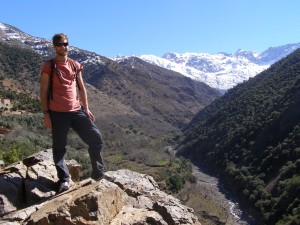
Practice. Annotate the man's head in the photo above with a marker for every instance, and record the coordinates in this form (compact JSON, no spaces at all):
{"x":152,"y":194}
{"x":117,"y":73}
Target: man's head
{"x":60,"y":43}
{"x":59,"y":38}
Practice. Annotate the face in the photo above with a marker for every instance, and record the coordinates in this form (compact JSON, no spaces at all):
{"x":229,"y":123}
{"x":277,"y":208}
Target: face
{"x":61,"y":47}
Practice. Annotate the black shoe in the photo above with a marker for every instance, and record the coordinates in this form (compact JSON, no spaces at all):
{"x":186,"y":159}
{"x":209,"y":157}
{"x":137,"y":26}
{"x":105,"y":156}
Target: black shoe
{"x":64,"y":186}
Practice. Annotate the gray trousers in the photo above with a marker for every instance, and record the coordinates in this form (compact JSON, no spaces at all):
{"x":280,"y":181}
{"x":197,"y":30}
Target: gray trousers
{"x":87,"y":131}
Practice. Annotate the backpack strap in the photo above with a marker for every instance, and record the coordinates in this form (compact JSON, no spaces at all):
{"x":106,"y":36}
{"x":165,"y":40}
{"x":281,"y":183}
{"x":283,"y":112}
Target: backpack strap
{"x":50,"y":89}
{"x":75,"y":71}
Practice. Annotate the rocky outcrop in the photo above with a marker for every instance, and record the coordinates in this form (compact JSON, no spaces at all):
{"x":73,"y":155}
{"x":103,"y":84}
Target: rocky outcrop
{"x":30,"y":181}
{"x":28,"y":196}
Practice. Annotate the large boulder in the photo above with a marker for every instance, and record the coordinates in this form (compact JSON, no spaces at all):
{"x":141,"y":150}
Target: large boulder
{"x":132,"y":198}
{"x":30,"y":181}
{"x":11,"y":187}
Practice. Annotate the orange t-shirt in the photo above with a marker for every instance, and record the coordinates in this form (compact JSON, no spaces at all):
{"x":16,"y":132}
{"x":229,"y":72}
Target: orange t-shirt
{"x":64,"y":91}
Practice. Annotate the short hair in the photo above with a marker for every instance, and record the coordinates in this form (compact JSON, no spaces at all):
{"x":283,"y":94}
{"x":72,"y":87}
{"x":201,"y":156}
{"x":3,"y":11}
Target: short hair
{"x":59,"y":37}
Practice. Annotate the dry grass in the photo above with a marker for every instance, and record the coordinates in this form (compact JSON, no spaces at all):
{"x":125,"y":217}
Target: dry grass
{"x":208,"y":209}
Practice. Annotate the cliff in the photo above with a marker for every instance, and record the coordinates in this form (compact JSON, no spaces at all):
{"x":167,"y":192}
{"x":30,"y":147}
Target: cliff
{"x":28,"y":196}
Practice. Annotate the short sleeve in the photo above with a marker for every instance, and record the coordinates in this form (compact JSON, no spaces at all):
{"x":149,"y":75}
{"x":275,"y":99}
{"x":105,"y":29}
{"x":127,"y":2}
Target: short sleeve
{"x":46,"y":68}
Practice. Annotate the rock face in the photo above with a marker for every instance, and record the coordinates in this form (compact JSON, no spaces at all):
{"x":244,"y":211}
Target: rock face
{"x":27,"y":196}
{"x":30,"y":181}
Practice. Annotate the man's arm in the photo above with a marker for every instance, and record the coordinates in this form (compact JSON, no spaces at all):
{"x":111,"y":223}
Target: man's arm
{"x":44,"y":85}
{"x":83,"y":97}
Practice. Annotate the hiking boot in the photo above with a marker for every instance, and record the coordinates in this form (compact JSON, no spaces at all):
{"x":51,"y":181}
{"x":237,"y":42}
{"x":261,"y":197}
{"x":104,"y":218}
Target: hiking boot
{"x":64,"y":186}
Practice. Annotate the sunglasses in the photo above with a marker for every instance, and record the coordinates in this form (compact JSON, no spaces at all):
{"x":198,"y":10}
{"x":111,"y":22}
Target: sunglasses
{"x":61,"y":44}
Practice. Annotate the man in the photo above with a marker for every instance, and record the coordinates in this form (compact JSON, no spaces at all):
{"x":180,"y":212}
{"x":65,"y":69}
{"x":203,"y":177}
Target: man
{"x":61,"y":79}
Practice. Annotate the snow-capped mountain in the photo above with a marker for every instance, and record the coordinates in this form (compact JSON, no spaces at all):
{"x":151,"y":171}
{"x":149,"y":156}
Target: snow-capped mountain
{"x":12,"y":35}
{"x":221,"y":70}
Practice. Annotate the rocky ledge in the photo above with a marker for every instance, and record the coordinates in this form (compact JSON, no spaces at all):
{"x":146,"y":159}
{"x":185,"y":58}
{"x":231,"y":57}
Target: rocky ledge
{"x":28,"y":196}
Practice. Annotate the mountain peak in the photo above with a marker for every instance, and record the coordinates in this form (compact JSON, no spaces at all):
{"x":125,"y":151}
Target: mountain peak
{"x":221,"y":70}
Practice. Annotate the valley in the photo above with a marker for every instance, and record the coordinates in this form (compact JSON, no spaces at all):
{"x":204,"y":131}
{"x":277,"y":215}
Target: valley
{"x":249,"y":136}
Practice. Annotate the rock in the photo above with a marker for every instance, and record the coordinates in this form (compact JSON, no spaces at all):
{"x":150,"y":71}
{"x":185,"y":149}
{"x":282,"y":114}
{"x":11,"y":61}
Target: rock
{"x":2,"y":164}
{"x":31,"y":181}
{"x":132,"y":198}
{"x":99,"y":202}
{"x":148,"y":195}
{"x":130,"y":216}
{"x":41,"y":180}
{"x":11,"y":189}
{"x":74,"y":169}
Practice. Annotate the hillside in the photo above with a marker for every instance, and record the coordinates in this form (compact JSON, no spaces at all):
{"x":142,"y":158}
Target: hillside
{"x":150,"y":90}
{"x":174,"y":97}
{"x":250,"y":137}
{"x":14,"y":63}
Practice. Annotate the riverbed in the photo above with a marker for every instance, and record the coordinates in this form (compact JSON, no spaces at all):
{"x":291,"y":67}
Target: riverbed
{"x":219,"y":195}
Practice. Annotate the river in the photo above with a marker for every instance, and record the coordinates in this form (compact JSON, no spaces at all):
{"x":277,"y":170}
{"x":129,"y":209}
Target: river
{"x":220,"y":195}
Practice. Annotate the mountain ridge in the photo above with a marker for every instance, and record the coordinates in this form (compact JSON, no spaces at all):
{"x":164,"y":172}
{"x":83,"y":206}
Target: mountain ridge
{"x":220,"y":70}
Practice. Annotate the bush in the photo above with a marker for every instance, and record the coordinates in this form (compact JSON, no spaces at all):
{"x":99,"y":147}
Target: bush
{"x":175,"y":182}
{"x":12,"y":155}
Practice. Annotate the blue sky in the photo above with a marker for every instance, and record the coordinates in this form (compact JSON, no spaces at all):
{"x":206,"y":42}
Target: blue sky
{"x":137,"y":27}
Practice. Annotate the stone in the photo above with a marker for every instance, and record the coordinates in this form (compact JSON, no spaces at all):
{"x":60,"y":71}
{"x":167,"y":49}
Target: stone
{"x":131,"y":216}
{"x":2,"y":164}
{"x":31,"y":181}
{"x":132,"y":198}
{"x":11,"y":189}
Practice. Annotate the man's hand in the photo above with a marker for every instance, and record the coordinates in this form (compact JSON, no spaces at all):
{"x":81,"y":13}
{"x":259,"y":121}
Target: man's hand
{"x":47,"y":121}
{"x":89,"y":114}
